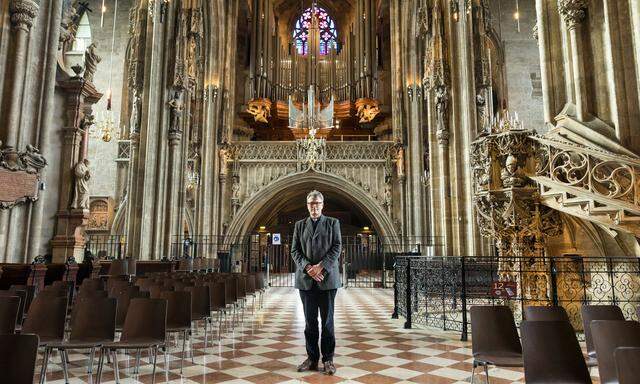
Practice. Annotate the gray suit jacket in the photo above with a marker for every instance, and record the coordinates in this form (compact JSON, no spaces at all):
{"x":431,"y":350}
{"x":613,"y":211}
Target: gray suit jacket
{"x":309,"y":247}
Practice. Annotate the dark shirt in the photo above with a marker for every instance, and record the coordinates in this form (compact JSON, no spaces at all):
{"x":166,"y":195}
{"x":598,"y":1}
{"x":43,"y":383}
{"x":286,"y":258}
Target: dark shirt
{"x":314,"y":222}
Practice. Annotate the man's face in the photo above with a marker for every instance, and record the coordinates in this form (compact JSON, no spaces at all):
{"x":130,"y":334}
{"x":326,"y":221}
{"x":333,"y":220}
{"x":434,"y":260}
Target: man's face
{"x":314,"y":205}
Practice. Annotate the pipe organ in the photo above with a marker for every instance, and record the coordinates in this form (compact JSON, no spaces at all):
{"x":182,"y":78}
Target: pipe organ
{"x":339,"y":61}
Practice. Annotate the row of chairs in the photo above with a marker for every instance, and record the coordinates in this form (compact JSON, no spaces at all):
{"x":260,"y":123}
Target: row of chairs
{"x":145,"y":311}
{"x":548,"y":348}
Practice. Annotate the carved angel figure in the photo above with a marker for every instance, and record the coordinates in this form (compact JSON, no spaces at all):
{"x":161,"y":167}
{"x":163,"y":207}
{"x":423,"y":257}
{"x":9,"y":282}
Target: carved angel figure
{"x":260,"y":109}
{"x":91,"y":60}
{"x":368,"y":109}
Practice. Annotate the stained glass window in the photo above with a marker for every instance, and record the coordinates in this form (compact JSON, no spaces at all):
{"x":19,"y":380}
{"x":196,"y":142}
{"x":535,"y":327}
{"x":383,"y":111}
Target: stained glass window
{"x":326,"y":25}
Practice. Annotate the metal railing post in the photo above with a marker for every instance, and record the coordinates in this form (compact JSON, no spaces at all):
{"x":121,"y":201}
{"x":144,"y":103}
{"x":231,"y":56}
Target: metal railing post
{"x":394,"y":315}
{"x":463,"y":298}
{"x":554,"y":281}
{"x":407,"y":324}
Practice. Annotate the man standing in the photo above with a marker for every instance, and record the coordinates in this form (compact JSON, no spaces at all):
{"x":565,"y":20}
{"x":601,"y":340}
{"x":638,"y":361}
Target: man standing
{"x":316,"y":249}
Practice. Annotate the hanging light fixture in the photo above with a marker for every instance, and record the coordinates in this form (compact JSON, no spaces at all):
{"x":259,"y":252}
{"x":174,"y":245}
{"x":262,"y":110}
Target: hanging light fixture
{"x":106,"y":122}
{"x":516,"y":15}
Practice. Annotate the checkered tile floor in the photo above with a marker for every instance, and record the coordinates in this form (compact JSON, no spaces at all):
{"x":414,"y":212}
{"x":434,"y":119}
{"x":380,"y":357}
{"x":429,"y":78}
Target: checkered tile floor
{"x":371,"y":348}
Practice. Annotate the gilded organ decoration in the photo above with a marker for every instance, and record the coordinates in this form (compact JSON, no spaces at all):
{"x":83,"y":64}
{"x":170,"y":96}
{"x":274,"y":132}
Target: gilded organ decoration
{"x":260,"y":109}
{"x":367,"y":109}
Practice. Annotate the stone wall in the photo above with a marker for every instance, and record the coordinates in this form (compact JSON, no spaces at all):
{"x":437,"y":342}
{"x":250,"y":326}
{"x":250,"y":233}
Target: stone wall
{"x":522,"y":61}
{"x":103,"y":154}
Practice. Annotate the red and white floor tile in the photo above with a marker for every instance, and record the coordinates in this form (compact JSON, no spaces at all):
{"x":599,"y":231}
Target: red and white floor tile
{"x":371,"y":348}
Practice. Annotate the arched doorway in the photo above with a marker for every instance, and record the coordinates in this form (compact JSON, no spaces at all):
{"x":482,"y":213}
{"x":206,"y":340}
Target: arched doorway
{"x":275,"y":209}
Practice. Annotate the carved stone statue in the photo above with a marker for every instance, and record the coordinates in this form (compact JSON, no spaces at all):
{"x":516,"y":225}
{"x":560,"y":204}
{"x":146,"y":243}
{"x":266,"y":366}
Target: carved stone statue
{"x":81,"y":191}
{"x":400,"y":161}
{"x":176,"y":108}
{"x":134,"y":120}
{"x":510,"y":174}
{"x":32,"y":159}
{"x":223,"y":154}
{"x":388,"y":198}
{"x":91,"y":60}
{"x":87,"y":121}
{"x":235,"y":195}
{"x":442,"y":104}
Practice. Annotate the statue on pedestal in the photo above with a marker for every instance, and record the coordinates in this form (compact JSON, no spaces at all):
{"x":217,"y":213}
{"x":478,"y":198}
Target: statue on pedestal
{"x":91,"y":60}
{"x":176,"y":108}
{"x":81,"y":185}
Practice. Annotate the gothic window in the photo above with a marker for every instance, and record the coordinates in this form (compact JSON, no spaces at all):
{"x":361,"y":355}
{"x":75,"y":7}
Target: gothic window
{"x":328,"y":33}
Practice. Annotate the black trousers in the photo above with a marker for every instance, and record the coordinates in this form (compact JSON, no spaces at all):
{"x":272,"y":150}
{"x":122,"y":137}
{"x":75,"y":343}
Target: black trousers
{"x":315,"y":300}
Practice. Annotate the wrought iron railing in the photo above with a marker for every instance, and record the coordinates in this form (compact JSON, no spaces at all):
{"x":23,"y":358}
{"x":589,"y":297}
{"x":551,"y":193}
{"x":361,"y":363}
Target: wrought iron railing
{"x":107,"y":246}
{"x":438,"y":291}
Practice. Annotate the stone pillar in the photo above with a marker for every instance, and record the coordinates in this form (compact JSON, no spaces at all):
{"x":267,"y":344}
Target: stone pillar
{"x":23,"y":14}
{"x":47,"y":125}
{"x":172,"y":221}
{"x":69,"y":239}
{"x":545,"y":61}
{"x":573,"y":13}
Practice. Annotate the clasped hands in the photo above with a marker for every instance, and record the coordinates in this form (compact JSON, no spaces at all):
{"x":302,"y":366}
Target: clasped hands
{"x":315,"y":271}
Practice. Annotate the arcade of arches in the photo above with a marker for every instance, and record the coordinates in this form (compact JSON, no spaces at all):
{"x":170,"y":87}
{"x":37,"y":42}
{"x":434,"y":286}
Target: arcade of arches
{"x":505,"y":132}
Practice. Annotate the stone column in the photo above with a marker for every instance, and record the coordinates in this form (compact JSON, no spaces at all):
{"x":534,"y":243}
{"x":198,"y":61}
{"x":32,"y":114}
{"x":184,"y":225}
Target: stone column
{"x":545,"y":61}
{"x":46,"y":125}
{"x":23,"y":13}
{"x":171,"y":221}
{"x":573,"y":13}
{"x":69,"y":239}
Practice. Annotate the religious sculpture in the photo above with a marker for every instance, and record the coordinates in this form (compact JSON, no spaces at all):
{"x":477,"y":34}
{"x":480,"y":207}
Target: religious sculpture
{"x":260,"y":109}
{"x":176,"y":108}
{"x":442,"y":104}
{"x":235,"y":195}
{"x":400,"y":161}
{"x":224,"y":155}
{"x":134,"y":120}
{"x":367,"y":109}
{"x":388,"y":198}
{"x":32,"y":160}
{"x":81,"y":191}
{"x":91,"y":60}
{"x":509,"y":175}
{"x":87,"y":121}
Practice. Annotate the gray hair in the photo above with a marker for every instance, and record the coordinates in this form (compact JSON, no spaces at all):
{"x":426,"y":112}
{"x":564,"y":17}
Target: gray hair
{"x":314,"y":194}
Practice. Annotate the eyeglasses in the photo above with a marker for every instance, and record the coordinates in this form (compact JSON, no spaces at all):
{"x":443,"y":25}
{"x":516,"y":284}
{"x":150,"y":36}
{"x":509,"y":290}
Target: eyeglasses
{"x":312,"y":203}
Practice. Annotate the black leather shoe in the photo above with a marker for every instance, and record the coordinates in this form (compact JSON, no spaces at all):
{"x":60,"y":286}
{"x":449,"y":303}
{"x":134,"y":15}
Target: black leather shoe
{"x":329,"y":368}
{"x":308,"y":365}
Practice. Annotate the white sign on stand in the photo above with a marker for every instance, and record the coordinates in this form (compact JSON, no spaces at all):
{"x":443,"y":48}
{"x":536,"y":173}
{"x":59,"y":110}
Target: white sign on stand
{"x":275,"y":239}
